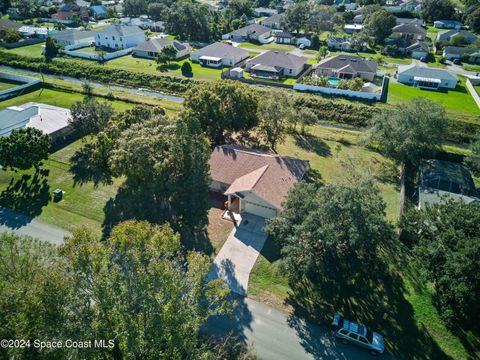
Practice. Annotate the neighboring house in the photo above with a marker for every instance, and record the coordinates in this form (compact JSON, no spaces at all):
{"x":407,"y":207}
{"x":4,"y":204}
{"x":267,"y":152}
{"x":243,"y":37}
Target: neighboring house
{"x":410,"y":33}
{"x":117,"y":36}
{"x":276,"y":64}
{"x":449,"y":35}
{"x":51,"y":120}
{"x":261,"y":11}
{"x":69,"y":12}
{"x":418,"y":50}
{"x":151,"y":48}
{"x":303,"y":40}
{"x":157,"y":26}
{"x":413,"y":21}
{"x":347,"y":67}
{"x":99,"y":12}
{"x":284,"y":37}
{"x":447,"y":24}
{"x":358,"y":19}
{"x":454,"y":52}
{"x":338,"y":43}
{"x":426,"y":77}
{"x":254,"y":182}
{"x":410,"y":5}
{"x":73,"y":37}
{"x":35,"y":31}
{"x":142,"y":22}
{"x":352,"y":28}
{"x":6,"y":24}
{"x":445,"y":180}
{"x":219,"y":54}
{"x":273,"y":22}
{"x":253,"y":32}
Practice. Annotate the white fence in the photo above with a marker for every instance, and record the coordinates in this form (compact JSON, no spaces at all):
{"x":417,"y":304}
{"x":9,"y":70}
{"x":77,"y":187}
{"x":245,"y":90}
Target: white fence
{"x":334,"y":91}
{"x":96,"y":57}
{"x":26,"y":80}
{"x":473,"y":92}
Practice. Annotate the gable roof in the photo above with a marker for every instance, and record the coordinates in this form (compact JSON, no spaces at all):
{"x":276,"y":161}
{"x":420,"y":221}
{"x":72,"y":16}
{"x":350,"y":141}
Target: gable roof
{"x":157,"y":44}
{"x":448,"y":22}
{"x":459,"y":50}
{"x":419,"y":45}
{"x":355,"y":62}
{"x":222,"y":50}
{"x":266,"y":175}
{"x":99,"y":9}
{"x":120,"y":30}
{"x":251,"y":29}
{"x":409,"y":29}
{"x":447,"y":34}
{"x":276,"y":18}
{"x":426,"y":72}
{"x":279,"y":59}
{"x":73,"y":34}
{"x":9,"y":24}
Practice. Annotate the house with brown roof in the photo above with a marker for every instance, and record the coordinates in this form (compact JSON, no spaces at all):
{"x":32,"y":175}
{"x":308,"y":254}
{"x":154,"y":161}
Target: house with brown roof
{"x":347,"y":67}
{"x":409,"y":33}
{"x":254,"y":182}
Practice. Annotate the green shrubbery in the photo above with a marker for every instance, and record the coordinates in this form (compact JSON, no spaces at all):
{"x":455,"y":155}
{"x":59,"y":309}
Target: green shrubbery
{"x":97,"y":72}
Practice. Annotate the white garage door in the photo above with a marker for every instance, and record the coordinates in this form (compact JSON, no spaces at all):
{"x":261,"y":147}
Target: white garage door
{"x":260,"y":210}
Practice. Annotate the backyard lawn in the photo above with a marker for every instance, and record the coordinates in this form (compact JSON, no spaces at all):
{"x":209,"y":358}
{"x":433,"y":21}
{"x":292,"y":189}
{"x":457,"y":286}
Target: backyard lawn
{"x":458,"y":100}
{"x":30,"y":50}
{"x":8,"y":84}
{"x":271,"y":46}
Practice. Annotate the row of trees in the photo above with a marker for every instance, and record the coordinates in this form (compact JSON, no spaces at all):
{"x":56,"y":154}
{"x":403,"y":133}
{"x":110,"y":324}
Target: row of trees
{"x":139,"y":289}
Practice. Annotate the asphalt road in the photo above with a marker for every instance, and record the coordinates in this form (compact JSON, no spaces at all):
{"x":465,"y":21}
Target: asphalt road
{"x":25,"y":225}
{"x":276,"y":336}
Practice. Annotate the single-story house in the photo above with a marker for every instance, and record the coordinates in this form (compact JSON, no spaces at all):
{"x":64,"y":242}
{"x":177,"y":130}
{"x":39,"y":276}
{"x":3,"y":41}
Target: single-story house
{"x":273,"y":22}
{"x":426,"y":77}
{"x":352,"y":28}
{"x":303,"y":40}
{"x":410,"y":33}
{"x":447,"y":24}
{"x":151,"y":48}
{"x":253,"y":32}
{"x":99,"y":11}
{"x":347,"y":67}
{"x":456,"y":52}
{"x":414,"y":21}
{"x":73,"y":37}
{"x":261,"y":11}
{"x":449,"y":35}
{"x":51,"y":120}
{"x":338,"y":43}
{"x":40,"y":32}
{"x":254,"y":182}
{"x":219,"y":54}
{"x":418,"y":50}
{"x":118,"y":36}
{"x":444,"y":180}
{"x":276,"y":64}
{"x":142,"y":22}
{"x":283,"y":37}
{"x":67,"y":13}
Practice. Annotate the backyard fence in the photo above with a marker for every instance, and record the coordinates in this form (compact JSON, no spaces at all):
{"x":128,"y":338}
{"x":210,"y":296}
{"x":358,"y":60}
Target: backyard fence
{"x":26,"y":81}
{"x":25,"y":42}
{"x":96,"y":57}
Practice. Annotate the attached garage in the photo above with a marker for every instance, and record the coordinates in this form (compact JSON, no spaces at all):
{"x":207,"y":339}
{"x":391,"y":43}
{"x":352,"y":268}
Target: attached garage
{"x":260,"y":210}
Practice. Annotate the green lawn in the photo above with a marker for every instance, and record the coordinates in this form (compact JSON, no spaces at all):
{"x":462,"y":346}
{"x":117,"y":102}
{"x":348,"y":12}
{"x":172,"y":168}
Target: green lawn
{"x":287,"y":80}
{"x":458,"y":100}
{"x":469,"y":67}
{"x":89,"y":50}
{"x":271,"y":46}
{"x":30,"y":50}
{"x":8,"y":84}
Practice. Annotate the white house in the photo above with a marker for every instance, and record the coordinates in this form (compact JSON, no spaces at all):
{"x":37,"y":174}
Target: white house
{"x":426,"y":77}
{"x":219,"y":54}
{"x":254,"y":182}
{"x":352,"y":28}
{"x":447,"y":24}
{"x":117,"y":36}
{"x":253,"y":32}
{"x":51,"y":120}
{"x":444,"y":180}
{"x":338,"y":43}
{"x":73,"y":37}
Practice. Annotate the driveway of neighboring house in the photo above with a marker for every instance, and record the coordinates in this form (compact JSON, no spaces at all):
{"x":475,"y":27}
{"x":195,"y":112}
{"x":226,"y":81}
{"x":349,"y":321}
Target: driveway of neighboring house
{"x":236,"y":258}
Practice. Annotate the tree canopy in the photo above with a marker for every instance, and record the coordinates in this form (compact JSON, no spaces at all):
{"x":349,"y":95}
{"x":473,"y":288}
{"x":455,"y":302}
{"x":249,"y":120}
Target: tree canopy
{"x":379,"y":25}
{"x":90,"y":116}
{"x":432,"y":10}
{"x":472,"y":160}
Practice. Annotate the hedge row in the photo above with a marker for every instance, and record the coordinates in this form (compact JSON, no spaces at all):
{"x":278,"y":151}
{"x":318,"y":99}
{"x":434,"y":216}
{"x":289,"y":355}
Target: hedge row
{"x":97,"y":72}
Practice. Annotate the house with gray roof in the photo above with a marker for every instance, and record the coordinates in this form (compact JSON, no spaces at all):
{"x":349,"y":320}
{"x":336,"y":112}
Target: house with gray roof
{"x":418,"y":50}
{"x":449,"y":35}
{"x":414,"y":21}
{"x":276,"y":64}
{"x":73,"y":37}
{"x":273,"y":22}
{"x":426,"y":77}
{"x":409,"y":33}
{"x":444,"y":180}
{"x":471,"y":55}
{"x":347,"y":67}
{"x":262,"y":11}
{"x":118,"y":36}
{"x":218,"y":55}
{"x":151,"y":48}
{"x":447,"y":24}
{"x":339,"y":43}
{"x":255,"y":32}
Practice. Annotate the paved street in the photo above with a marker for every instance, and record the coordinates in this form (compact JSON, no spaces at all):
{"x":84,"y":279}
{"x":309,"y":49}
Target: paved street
{"x":276,"y":336}
{"x":24,"y":225}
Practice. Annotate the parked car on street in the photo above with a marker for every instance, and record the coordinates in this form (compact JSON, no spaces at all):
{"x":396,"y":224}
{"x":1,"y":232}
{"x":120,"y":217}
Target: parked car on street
{"x":457,"y":62}
{"x":353,"y":333}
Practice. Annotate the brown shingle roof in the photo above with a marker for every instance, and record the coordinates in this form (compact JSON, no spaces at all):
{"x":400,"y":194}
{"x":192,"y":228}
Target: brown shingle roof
{"x":266,"y":175}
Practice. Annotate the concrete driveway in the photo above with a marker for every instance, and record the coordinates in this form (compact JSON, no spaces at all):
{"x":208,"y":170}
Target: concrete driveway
{"x":236,"y":258}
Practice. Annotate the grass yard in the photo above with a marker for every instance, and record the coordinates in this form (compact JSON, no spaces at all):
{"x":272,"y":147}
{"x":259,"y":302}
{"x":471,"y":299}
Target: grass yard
{"x":458,"y":100}
{"x":8,"y":84}
{"x":469,"y":67}
{"x":286,"y":80}
{"x":30,"y":50}
{"x":404,"y":310}
{"x":375,"y":56}
{"x":271,"y":46}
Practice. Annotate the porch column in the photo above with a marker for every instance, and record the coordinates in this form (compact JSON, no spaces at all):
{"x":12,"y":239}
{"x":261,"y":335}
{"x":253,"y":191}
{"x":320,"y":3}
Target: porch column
{"x":229,"y":201}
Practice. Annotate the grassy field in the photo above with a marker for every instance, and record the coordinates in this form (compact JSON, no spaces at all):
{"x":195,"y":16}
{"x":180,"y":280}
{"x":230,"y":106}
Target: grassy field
{"x":8,"y":84}
{"x":469,"y":67}
{"x":30,"y":50}
{"x":458,"y":100}
{"x":271,"y":46}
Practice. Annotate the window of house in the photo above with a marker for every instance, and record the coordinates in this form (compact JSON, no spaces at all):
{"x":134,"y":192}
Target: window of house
{"x":113,"y":37}
{"x":121,"y":39}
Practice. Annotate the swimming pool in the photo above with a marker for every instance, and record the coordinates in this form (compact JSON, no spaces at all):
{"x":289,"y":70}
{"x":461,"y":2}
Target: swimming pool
{"x":333,"y":81}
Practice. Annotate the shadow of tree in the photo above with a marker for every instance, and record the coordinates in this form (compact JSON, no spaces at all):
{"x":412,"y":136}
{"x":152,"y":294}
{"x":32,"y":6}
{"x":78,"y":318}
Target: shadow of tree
{"x":84,"y":169}
{"x":27,"y":195}
{"x":312,"y":143}
{"x":168,"y":67}
{"x":374,"y":297}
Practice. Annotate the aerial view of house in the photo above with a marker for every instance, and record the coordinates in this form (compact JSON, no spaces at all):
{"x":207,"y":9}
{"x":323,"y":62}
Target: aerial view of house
{"x":117,"y":36}
{"x":73,"y":37}
{"x":447,"y":24}
{"x":347,"y":67}
{"x":151,"y":48}
{"x":466,"y":36}
{"x":425,"y":77}
{"x":253,"y":32}
{"x":218,"y":55}
{"x":456,"y":52}
{"x":276,"y":64}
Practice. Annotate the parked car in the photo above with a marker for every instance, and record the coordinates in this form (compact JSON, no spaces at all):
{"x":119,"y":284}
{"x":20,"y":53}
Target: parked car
{"x":457,"y":62}
{"x":423,"y":59}
{"x":353,"y":333}
{"x":301,"y":46}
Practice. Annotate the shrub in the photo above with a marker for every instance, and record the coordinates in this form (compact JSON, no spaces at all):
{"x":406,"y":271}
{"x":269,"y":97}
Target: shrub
{"x":186,"y":68}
